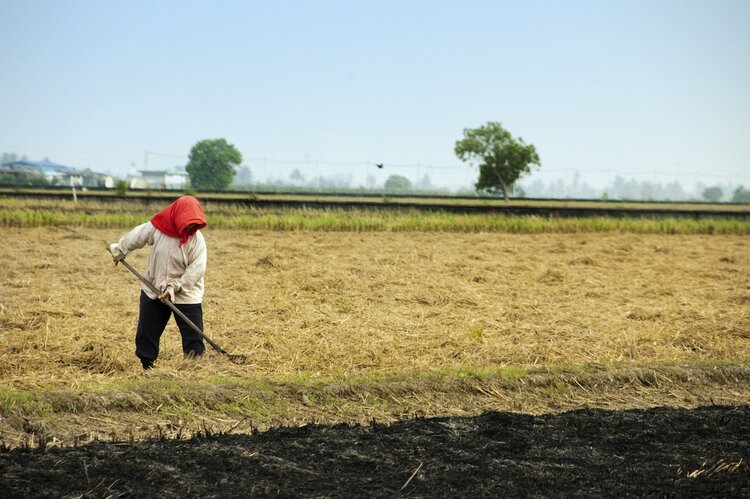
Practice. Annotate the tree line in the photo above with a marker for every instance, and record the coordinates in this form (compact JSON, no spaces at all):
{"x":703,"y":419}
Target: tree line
{"x":501,"y":160}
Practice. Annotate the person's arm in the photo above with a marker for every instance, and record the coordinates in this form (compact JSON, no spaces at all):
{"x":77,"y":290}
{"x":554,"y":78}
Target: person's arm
{"x":135,"y":239}
{"x":197,"y":256}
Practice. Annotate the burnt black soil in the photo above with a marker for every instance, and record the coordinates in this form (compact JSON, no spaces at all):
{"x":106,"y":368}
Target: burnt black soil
{"x":580,"y":453}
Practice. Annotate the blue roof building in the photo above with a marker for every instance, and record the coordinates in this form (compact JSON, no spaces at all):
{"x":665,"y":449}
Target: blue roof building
{"x":58,"y":174}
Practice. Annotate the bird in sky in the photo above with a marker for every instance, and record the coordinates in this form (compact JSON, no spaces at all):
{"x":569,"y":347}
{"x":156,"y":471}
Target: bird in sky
{"x":379,"y":165}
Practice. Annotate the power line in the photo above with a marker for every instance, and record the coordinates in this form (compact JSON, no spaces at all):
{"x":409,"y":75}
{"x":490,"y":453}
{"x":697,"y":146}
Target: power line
{"x":647,"y":172}
{"x":312,"y":160}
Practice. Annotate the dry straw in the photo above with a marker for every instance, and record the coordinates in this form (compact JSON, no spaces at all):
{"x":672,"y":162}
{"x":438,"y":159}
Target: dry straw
{"x":325,"y":304}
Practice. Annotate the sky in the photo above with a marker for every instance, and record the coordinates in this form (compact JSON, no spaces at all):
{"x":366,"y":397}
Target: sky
{"x":648,"y":89}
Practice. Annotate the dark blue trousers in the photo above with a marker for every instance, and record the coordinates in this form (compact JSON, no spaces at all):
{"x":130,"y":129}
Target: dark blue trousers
{"x":153,"y":318}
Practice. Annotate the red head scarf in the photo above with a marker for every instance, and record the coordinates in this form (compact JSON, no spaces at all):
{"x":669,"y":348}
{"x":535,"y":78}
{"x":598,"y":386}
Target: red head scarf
{"x":174,"y":220}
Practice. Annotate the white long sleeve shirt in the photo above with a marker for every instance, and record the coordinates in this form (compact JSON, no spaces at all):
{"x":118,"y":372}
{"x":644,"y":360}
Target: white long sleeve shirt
{"x":182,"y":267}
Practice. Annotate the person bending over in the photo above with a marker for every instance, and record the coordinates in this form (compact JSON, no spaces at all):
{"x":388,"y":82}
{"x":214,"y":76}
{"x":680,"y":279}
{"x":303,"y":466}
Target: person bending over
{"x":176,"y":266}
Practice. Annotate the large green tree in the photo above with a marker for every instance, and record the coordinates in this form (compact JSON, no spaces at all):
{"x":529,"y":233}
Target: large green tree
{"x":502,"y":159}
{"x":212,"y":164}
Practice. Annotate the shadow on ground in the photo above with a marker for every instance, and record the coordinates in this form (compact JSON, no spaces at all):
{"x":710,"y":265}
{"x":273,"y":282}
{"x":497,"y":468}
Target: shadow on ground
{"x":654,"y":452}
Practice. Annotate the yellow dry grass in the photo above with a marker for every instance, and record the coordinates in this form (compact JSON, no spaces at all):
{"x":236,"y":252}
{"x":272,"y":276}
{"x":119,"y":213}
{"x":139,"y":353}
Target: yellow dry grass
{"x":322,"y":305}
{"x":331,"y":303}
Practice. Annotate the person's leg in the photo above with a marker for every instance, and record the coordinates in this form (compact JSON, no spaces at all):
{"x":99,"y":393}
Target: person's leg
{"x":192,"y":343}
{"x":152,"y":320}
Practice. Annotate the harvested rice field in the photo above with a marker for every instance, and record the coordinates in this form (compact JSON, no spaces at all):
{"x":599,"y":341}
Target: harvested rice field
{"x":346,"y":311}
{"x":375,"y":327}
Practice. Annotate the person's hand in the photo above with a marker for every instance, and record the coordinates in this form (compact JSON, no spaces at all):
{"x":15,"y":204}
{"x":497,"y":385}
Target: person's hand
{"x":167,"y":294}
{"x":117,"y":255}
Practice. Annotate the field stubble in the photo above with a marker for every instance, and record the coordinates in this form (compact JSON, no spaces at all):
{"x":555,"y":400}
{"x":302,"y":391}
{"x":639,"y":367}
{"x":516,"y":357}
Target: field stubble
{"x":356,"y":326}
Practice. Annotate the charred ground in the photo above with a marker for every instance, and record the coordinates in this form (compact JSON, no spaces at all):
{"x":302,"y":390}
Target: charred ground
{"x":587,"y":452}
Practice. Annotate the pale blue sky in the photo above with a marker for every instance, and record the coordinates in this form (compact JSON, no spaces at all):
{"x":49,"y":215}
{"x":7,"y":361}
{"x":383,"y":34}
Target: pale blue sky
{"x":653,"y":89}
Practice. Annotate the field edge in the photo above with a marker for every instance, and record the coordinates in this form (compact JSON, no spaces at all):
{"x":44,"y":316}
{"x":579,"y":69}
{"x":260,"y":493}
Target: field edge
{"x":165,"y":405}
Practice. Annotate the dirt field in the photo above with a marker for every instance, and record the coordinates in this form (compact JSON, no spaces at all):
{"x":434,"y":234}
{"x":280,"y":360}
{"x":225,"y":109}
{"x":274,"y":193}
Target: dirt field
{"x":386,"y":327}
{"x":586,"y":453}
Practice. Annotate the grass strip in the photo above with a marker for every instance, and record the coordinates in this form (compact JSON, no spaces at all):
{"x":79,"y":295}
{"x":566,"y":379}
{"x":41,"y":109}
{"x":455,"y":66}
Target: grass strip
{"x":164,"y":406}
{"x":265,"y":399}
{"x":398,"y":221}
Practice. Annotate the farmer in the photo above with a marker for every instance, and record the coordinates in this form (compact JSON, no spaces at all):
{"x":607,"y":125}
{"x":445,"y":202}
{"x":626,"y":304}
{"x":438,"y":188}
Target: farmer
{"x":176,"y":265}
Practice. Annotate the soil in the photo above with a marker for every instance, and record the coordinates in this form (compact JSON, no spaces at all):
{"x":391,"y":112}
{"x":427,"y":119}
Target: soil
{"x":588,"y":452}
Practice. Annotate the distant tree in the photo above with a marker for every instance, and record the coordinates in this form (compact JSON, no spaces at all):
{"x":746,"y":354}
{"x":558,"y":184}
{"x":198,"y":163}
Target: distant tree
{"x":212,"y":164}
{"x":626,"y":189}
{"x":741,"y":195}
{"x":674,"y":191}
{"x":332,"y":183}
{"x":25,"y":178}
{"x":425,"y":184}
{"x":557,"y":188}
{"x":502,"y":159}
{"x":121,"y":187}
{"x":713,"y":194}
{"x":244,"y":176}
{"x":8,"y":157}
{"x":37,"y":180}
{"x":397,"y":184}
{"x":296,"y":177}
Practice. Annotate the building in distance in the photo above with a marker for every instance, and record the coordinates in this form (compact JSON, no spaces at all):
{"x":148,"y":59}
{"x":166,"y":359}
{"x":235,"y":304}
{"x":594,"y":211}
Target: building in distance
{"x":55,"y":174}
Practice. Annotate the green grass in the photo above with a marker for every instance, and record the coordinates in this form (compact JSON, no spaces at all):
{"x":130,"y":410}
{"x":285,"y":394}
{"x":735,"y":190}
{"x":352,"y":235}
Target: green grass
{"x":252,"y":397}
{"x":513,"y":373}
{"x":383,"y":221}
{"x":23,"y":402}
{"x":554,"y":390}
{"x":476,"y":333}
{"x":20,"y":212}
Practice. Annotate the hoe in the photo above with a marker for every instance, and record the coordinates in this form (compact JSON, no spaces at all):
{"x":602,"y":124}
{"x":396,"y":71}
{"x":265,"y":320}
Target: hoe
{"x":233,"y":357}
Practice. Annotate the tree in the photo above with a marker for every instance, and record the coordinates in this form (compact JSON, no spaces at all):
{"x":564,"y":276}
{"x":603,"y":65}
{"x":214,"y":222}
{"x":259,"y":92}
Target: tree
{"x":24,"y":178}
{"x":8,"y":158}
{"x":296,"y":177}
{"x":398,"y":184}
{"x":243,"y":176}
{"x":741,"y":195}
{"x":425,"y":184}
{"x":212,"y":164}
{"x":713,"y":194}
{"x":121,"y":187}
{"x":502,"y":159}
